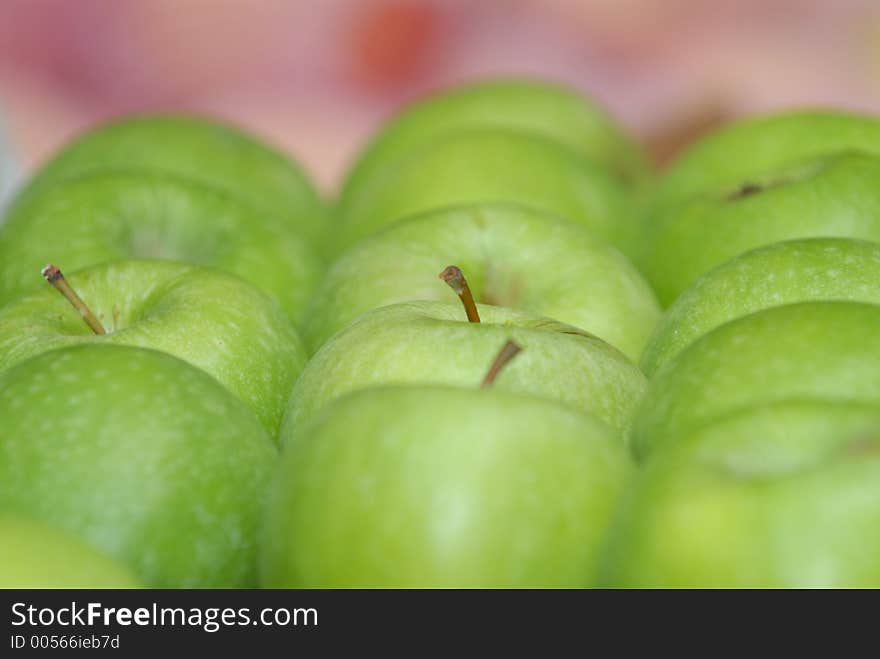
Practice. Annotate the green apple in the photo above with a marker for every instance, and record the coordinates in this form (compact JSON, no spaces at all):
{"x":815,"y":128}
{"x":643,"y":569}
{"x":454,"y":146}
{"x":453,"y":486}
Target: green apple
{"x":756,"y":148}
{"x":206,"y":317}
{"x":200,"y":149}
{"x":547,"y":109}
{"x":432,"y":486}
{"x":782,"y":495}
{"x":146,"y":458}
{"x":433,"y":343}
{"x":781,"y":273}
{"x":33,"y":555}
{"x":493,"y":164}
{"x":812,"y":351}
{"x":762,"y":181}
{"x":514,"y":257}
{"x":108,"y":216}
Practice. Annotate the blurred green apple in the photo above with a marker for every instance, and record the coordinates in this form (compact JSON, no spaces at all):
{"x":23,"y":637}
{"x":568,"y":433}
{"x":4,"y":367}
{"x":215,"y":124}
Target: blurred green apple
{"x":108,"y":216}
{"x":433,"y":343}
{"x":554,"y":111}
{"x":490,"y":165}
{"x":748,"y":150}
{"x":206,"y":317}
{"x":200,"y":149}
{"x":811,"y":351}
{"x":798,"y":175}
{"x":442,"y":487}
{"x":146,"y":458}
{"x":33,"y":555}
{"x":781,"y":273}
{"x":514,"y":257}
{"x":782,"y":495}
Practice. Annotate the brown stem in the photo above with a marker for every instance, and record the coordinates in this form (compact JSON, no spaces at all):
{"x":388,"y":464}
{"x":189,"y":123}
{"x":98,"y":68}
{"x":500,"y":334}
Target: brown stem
{"x":453,"y":276}
{"x":510,"y":350}
{"x":54,"y":276}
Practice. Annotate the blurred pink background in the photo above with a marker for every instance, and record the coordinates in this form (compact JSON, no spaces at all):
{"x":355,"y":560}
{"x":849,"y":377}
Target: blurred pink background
{"x":315,"y":77}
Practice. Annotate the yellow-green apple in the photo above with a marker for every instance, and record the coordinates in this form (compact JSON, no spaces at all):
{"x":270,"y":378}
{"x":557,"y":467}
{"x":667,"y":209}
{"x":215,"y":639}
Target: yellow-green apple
{"x":780,"y":273}
{"x":780,"y":495}
{"x":204,"y":316}
{"x":490,"y":165}
{"x":201,"y":149}
{"x":121,"y":214}
{"x":554,"y":111}
{"x":146,"y":458}
{"x":434,"y":486}
{"x":434,"y":343}
{"x":746,"y":150}
{"x":760,"y":181}
{"x":810,"y":351}
{"x":514,"y":256}
{"x":34,"y":555}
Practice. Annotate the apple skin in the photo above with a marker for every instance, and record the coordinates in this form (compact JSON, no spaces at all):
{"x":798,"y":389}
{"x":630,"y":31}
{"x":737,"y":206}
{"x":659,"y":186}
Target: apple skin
{"x":512,"y":256}
{"x":815,"y":351}
{"x":757,"y":147}
{"x":34,"y":555}
{"x":431,"y":486}
{"x":112,"y":216}
{"x":486,"y":165}
{"x":553,"y":111}
{"x":760,"y":181}
{"x":146,"y":458}
{"x":781,"y":273}
{"x":782,"y":495}
{"x":206,"y":317}
{"x":432,"y":343}
{"x":204,"y":150}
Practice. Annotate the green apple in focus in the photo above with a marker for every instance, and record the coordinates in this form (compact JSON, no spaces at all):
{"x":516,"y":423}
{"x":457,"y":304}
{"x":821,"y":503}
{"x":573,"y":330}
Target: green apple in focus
{"x":551,"y":110}
{"x":781,"y":273}
{"x":781,"y":495}
{"x":146,"y":458}
{"x":492,"y":165}
{"x":432,"y":486}
{"x":433,"y":343}
{"x":811,"y":351}
{"x":514,"y":257}
{"x":200,"y":149}
{"x":34,"y":555}
{"x":206,"y":317}
{"x":107,"y":216}
{"x":765,"y":180}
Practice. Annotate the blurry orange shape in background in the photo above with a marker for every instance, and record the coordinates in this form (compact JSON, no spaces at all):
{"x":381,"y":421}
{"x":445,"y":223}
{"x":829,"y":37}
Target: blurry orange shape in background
{"x":393,"y":43}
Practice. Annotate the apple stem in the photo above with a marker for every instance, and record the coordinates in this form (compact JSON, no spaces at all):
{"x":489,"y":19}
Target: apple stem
{"x":510,"y":350}
{"x":54,"y":276}
{"x":453,"y":276}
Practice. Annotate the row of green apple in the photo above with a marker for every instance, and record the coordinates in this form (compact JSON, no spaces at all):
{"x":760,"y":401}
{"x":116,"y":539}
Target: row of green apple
{"x":758,"y":432}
